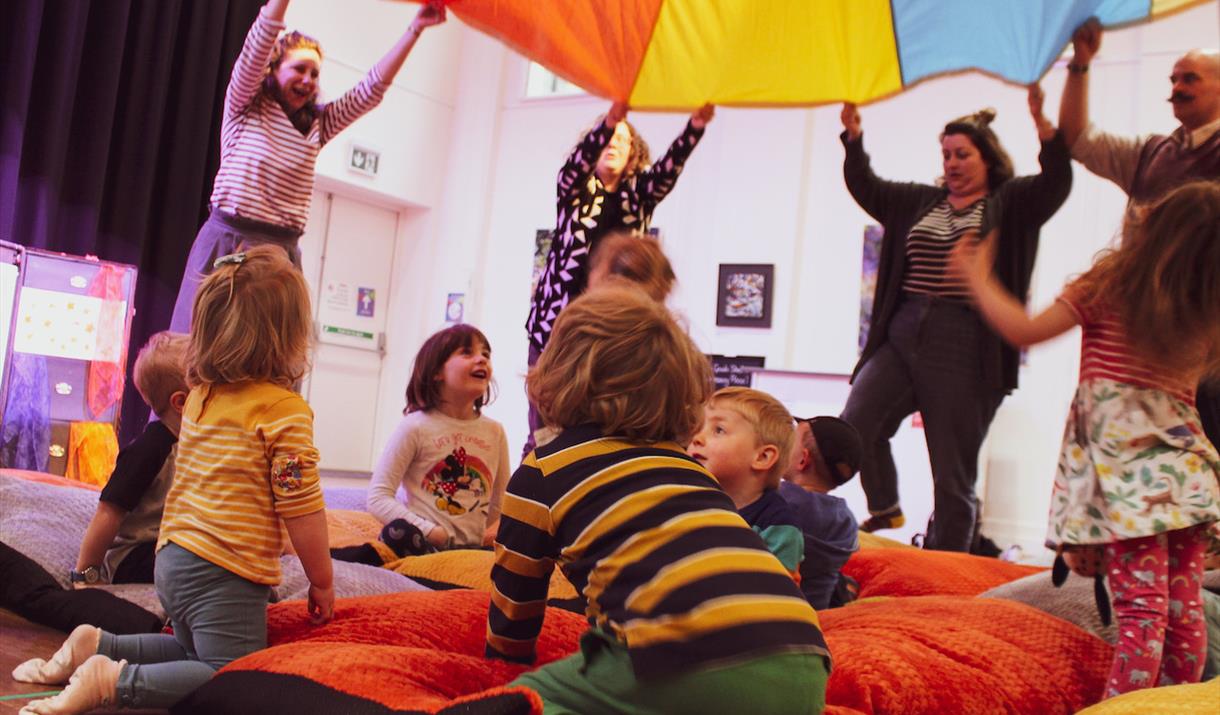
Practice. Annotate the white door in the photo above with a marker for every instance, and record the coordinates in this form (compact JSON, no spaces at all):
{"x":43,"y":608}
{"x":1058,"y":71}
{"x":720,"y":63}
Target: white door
{"x":348,"y":253}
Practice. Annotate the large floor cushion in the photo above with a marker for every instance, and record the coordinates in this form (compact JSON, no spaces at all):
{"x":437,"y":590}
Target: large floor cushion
{"x":916,"y":572}
{"x":1074,"y":601}
{"x":1196,"y":699}
{"x":411,"y":652}
{"x":953,"y":654}
{"x":467,"y":568}
{"x":422,"y":652}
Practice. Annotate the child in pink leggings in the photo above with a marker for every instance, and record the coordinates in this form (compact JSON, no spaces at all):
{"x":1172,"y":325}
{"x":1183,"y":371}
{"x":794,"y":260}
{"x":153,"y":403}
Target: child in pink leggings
{"x":1136,"y":475}
{"x":1154,"y":583}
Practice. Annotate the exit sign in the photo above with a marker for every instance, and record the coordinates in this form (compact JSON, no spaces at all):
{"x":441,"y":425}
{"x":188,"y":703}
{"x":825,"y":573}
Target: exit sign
{"x":364,"y":160}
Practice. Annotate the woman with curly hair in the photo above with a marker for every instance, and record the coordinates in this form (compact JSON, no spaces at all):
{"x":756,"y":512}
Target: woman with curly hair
{"x":605,"y":186}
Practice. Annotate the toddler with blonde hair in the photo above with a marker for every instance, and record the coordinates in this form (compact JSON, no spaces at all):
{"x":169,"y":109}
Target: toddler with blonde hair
{"x":246,"y":463}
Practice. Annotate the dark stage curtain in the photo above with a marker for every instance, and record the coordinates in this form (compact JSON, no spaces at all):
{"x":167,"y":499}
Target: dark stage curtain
{"x":110,"y":135}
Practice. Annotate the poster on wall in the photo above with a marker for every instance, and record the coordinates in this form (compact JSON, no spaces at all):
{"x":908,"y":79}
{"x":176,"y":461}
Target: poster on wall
{"x":743,"y":295}
{"x":868,"y":279}
{"x":734,"y":370}
{"x":455,"y":308}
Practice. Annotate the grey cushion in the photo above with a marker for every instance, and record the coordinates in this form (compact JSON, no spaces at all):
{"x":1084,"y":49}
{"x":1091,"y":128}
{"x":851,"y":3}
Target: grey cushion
{"x":46,"y":522}
{"x":350,"y":498}
{"x":1073,"y":601}
{"x":350,"y":580}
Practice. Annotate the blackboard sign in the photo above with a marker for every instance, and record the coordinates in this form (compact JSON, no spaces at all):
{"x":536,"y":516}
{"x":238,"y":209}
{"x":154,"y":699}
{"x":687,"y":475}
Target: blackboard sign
{"x":730,"y":370}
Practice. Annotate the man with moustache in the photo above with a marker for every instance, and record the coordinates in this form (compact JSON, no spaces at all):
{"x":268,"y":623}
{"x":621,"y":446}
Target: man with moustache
{"x":1148,"y":167}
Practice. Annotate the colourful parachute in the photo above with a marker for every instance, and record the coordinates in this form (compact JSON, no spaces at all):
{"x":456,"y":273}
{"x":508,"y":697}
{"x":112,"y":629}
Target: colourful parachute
{"x":679,"y":54}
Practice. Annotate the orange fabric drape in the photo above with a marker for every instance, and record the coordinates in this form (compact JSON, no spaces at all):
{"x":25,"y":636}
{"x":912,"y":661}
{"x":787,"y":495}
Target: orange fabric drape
{"x":93,"y":448}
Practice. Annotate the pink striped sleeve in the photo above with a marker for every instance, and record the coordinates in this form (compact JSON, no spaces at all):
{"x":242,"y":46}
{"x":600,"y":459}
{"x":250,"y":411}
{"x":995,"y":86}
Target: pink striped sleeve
{"x":355,"y":103}
{"x":251,"y":65}
{"x":1074,"y":296}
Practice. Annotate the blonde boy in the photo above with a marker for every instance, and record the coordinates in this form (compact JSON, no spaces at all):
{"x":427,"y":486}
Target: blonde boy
{"x":120,"y":540}
{"x":745,"y":442}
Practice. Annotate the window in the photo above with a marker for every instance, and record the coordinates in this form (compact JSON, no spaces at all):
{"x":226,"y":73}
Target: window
{"x":541,"y":83}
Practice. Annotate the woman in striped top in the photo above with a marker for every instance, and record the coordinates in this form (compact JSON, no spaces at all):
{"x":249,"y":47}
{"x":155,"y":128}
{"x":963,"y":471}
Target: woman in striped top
{"x":927,"y":350}
{"x":1137,"y":473}
{"x":272,"y":131}
{"x":246,"y":464}
{"x":689,"y":611}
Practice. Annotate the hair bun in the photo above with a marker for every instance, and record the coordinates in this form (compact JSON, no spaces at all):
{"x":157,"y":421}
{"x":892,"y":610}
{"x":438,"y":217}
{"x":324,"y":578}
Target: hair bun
{"x":984,"y":116}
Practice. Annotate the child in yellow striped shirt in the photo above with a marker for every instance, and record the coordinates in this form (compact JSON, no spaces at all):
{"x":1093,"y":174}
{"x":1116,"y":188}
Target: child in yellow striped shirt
{"x":246,"y":462}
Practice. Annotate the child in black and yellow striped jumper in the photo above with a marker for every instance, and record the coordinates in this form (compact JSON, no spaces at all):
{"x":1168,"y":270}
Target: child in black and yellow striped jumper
{"x":689,"y":611}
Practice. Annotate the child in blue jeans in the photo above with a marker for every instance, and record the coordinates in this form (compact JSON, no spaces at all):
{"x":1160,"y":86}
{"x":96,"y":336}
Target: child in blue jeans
{"x":246,"y":463}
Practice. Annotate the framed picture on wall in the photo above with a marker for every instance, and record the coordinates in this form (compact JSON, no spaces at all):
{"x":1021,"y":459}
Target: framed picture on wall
{"x":743,"y":295}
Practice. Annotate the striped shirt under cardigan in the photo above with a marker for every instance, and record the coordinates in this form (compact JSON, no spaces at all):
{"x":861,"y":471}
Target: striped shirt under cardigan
{"x":929,"y":245}
{"x":246,"y":460}
{"x":654,"y":545}
{"x":266,"y":164}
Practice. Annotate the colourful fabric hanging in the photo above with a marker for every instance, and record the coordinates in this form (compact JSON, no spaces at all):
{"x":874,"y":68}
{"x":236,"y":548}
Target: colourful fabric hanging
{"x":26,"y":435}
{"x":93,"y":448}
{"x":680,"y":54}
{"x":105,"y":377}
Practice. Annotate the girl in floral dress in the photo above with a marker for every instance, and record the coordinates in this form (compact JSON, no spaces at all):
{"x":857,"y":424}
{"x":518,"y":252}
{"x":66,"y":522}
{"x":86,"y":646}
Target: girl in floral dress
{"x":1137,"y":476}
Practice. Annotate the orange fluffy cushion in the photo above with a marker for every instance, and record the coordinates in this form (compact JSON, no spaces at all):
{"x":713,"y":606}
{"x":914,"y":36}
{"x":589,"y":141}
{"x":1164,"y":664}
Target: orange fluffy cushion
{"x":952,"y":654}
{"x":409,"y":651}
{"x":915,"y":572}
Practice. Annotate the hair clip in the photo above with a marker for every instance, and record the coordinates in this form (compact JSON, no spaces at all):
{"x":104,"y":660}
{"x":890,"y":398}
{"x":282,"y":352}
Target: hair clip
{"x":233,"y":259}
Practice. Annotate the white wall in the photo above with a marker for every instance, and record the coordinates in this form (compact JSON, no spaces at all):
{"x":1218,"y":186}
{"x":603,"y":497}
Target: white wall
{"x":764,"y":186}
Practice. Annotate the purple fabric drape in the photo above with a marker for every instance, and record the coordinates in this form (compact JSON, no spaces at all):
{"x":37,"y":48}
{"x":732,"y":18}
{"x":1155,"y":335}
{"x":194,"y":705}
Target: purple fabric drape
{"x":109,"y":129}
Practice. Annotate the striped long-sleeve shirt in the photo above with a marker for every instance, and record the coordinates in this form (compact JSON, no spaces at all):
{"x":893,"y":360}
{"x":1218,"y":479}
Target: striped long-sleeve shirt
{"x":266,"y":164}
{"x":246,"y":460}
{"x":656,"y":548}
{"x":1106,"y":353}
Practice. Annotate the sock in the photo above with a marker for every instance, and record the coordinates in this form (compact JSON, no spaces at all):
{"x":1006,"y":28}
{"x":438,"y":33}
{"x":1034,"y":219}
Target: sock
{"x":81,"y":644}
{"x":90,"y":687}
{"x":404,"y":538}
{"x":888,"y":519}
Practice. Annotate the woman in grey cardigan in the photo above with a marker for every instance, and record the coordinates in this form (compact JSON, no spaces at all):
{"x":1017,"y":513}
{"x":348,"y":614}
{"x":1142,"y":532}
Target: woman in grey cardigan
{"x":927,"y":347}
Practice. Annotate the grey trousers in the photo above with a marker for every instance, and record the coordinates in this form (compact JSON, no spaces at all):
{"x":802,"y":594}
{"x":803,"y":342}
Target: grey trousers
{"x":221,"y":235}
{"x":931,"y":362}
{"x":217,"y":618}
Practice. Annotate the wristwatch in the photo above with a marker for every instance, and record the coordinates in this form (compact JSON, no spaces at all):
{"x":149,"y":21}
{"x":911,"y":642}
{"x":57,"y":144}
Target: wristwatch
{"x":89,"y":576}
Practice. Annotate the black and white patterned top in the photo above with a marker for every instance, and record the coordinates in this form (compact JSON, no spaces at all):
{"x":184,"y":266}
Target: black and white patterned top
{"x":929,"y":244}
{"x":586,"y":211}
